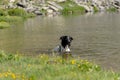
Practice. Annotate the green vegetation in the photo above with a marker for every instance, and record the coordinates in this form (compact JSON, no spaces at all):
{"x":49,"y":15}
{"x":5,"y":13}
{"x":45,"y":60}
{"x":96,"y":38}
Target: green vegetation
{"x":112,"y":9}
{"x":11,"y":19}
{"x":3,"y":2}
{"x":70,"y":7}
{"x":12,"y":15}
{"x":95,"y":9}
{"x":19,"y":12}
{"x":4,"y":25}
{"x":3,"y":12}
{"x":44,"y":67}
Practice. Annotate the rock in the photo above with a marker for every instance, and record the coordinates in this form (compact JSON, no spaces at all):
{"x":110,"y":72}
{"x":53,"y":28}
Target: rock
{"x":49,"y":11}
{"x":118,"y":10}
{"x":24,"y":1}
{"x":117,"y":4}
{"x":101,"y":8}
{"x":37,"y":12}
{"x":11,"y":4}
{"x":12,"y":1}
{"x":54,"y":6}
{"x":45,"y":7}
{"x":51,"y":6}
{"x":21,"y":5}
{"x":60,"y":1}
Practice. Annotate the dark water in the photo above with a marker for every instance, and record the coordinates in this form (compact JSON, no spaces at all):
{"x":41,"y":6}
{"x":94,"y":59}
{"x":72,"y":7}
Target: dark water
{"x":96,"y":36}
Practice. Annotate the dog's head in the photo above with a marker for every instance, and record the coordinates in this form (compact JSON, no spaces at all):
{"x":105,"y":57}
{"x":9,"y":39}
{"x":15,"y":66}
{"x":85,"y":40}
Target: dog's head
{"x":66,"y":42}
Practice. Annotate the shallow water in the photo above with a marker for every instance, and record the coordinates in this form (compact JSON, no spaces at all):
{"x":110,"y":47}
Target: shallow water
{"x":96,"y":36}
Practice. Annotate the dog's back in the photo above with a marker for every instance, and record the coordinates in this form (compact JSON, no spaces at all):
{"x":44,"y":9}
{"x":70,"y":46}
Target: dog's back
{"x":58,"y":49}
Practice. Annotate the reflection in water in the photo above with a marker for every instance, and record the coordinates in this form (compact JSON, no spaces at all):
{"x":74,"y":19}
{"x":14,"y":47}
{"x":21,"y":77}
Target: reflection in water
{"x":96,"y":37}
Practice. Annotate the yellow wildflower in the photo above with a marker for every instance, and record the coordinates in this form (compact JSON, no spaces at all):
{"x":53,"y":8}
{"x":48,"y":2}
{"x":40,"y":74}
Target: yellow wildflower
{"x":41,"y":56}
{"x":13,"y":75}
{"x":5,"y":74}
{"x":1,"y":75}
{"x":73,"y":61}
{"x":29,"y":65}
{"x":78,"y":65}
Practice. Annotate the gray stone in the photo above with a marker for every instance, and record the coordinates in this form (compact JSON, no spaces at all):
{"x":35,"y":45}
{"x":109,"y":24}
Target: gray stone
{"x":21,"y":5}
{"x":49,"y":11}
{"x":37,"y":12}
{"x":12,"y":1}
{"x":60,"y":1}
{"x":54,"y":6}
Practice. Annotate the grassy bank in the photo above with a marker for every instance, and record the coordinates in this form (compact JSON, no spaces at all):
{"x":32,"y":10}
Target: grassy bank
{"x":12,"y":15}
{"x":70,"y":7}
{"x":44,"y":67}
{"x":112,"y":9}
{"x":4,"y":25}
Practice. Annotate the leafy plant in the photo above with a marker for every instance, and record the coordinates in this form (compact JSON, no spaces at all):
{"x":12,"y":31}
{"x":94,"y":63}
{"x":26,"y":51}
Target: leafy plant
{"x":17,"y":12}
{"x":112,"y":9}
{"x":70,"y":7}
{"x":10,"y":18}
{"x":3,"y":12}
{"x":73,"y":10}
{"x":95,"y":9}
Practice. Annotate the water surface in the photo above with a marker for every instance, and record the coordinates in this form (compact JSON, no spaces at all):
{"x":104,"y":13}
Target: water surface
{"x":96,"y":37}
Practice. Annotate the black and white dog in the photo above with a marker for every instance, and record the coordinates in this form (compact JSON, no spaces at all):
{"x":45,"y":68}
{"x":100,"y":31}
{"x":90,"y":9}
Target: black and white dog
{"x":64,"y":47}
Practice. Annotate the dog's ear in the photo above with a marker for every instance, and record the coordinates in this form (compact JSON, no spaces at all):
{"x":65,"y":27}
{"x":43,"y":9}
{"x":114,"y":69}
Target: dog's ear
{"x":61,"y":37}
{"x":71,"y":38}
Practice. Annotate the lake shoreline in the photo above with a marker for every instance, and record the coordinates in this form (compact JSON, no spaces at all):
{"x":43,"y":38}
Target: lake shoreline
{"x":55,"y":7}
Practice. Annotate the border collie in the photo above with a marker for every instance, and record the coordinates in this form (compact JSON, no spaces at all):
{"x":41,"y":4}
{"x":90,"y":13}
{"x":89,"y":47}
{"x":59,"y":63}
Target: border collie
{"x":64,"y":47}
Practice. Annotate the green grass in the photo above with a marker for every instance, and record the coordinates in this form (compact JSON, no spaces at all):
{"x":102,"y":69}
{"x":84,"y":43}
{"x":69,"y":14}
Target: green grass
{"x":44,"y":67}
{"x":112,"y":9}
{"x":19,"y":12}
{"x":4,"y":25}
{"x":70,"y":7}
{"x":95,"y":9}
{"x":3,"y":12}
{"x":10,"y":16}
{"x":4,"y":2}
